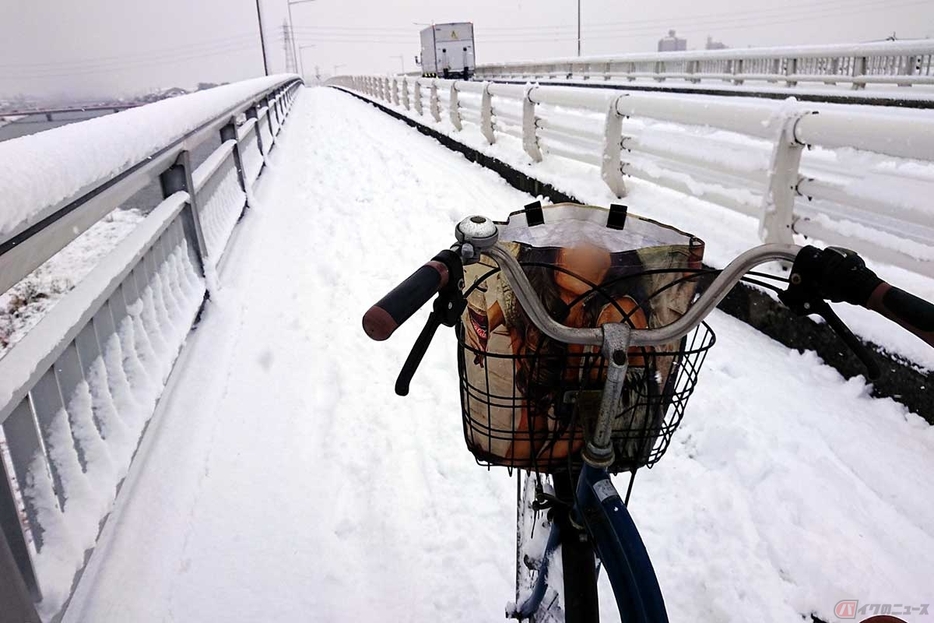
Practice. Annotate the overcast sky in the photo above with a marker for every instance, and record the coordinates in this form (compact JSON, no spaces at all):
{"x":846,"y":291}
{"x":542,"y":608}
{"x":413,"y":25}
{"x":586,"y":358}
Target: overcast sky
{"x":87,"y":48}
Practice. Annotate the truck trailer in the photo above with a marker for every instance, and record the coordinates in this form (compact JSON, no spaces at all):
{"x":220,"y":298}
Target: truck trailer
{"x":448,"y":51}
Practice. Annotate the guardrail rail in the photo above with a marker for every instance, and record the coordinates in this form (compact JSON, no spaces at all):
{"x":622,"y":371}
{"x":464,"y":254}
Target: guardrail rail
{"x":887,"y":63}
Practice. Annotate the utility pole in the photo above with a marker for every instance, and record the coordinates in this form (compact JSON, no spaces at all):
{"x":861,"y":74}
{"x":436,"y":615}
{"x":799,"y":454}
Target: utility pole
{"x":296,"y":53}
{"x":578,"y":27}
{"x":288,"y":48}
{"x":262,"y":38}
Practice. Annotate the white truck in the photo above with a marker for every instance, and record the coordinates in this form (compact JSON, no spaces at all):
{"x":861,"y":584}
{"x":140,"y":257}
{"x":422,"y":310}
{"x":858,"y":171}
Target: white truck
{"x":448,"y":51}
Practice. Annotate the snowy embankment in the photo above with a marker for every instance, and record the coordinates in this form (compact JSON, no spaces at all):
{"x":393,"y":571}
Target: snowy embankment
{"x":23,"y":305}
{"x":726,"y":232}
{"x":283,"y":480}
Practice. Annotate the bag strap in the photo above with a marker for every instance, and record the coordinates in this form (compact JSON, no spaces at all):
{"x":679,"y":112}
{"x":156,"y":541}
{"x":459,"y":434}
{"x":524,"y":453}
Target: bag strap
{"x":617,"y":216}
{"x":534,"y":214}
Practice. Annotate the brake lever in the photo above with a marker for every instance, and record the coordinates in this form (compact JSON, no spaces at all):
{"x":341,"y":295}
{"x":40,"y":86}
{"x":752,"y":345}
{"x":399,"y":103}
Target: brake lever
{"x":447,"y":308}
{"x":803,"y":301}
{"x":823,"y":309}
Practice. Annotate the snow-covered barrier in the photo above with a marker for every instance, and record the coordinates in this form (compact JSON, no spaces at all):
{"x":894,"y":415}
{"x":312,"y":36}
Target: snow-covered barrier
{"x":839,"y":174}
{"x":888,"y":63}
{"x":77,"y":392}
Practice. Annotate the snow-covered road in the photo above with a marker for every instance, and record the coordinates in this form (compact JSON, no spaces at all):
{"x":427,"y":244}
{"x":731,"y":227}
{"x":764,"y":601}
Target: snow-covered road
{"x":282,"y":480}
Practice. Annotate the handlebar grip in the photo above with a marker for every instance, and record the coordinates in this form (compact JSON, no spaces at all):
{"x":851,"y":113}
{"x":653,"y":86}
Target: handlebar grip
{"x":911,"y":312}
{"x":382,"y":319}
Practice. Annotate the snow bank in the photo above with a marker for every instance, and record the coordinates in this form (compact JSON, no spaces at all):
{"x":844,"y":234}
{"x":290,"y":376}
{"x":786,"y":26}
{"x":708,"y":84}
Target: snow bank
{"x":41,"y":170}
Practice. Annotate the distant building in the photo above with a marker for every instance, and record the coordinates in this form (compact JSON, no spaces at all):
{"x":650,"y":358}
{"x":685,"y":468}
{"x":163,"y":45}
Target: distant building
{"x":714,"y":45}
{"x":671,"y":43}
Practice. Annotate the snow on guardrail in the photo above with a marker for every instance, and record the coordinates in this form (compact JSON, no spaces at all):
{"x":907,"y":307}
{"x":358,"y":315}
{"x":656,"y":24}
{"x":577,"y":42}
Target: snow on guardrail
{"x":43,"y":170}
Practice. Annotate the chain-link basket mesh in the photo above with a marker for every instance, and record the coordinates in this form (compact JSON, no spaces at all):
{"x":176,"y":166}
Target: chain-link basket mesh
{"x":529,"y":401}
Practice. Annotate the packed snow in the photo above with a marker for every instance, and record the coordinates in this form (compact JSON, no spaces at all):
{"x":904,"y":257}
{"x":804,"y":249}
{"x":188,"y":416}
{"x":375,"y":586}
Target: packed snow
{"x":90,"y":152}
{"x":281,"y":479}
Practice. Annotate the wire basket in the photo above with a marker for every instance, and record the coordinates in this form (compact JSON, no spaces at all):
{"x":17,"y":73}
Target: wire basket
{"x":540,"y":416}
{"x":531,"y":402}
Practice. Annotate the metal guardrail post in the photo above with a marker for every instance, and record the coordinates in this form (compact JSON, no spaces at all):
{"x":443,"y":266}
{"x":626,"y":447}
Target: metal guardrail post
{"x":178,"y":178}
{"x":529,"y":125}
{"x":405,"y":93}
{"x":435,"y":104}
{"x":272,"y":134}
{"x":229,"y":132}
{"x":454,"y":108}
{"x":611,"y":167}
{"x":777,"y":214}
{"x":791,"y":68}
{"x":418,"y":97}
{"x":253,"y":113}
{"x":737,"y":71}
{"x":486,"y":114}
{"x":18,"y":587}
{"x":859,"y":69}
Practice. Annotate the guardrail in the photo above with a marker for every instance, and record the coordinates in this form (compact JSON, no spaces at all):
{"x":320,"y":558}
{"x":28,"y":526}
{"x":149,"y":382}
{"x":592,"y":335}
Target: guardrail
{"x":77,"y":392}
{"x":893,"y":63}
{"x":752,"y":164}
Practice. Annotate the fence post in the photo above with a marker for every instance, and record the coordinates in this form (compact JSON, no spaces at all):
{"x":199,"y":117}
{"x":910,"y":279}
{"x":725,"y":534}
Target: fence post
{"x":611,"y":167}
{"x":859,"y":69}
{"x":272,"y":134}
{"x":737,"y":71}
{"x":791,"y":68}
{"x":178,"y":178}
{"x":529,"y":126}
{"x":454,"y":111}
{"x":253,"y":113}
{"x":405,"y":93}
{"x":229,"y":132}
{"x":18,"y":589}
{"x":778,"y":202}
{"x":418,"y":97}
{"x":395,"y":91}
{"x":434,"y":105}
{"x":486,"y":114}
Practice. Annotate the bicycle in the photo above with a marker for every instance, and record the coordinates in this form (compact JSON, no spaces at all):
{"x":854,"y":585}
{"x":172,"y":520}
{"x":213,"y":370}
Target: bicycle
{"x":614,"y":393}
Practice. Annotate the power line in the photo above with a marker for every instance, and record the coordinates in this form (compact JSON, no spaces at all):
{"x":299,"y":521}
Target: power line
{"x":165,"y":60}
{"x":103,"y":59}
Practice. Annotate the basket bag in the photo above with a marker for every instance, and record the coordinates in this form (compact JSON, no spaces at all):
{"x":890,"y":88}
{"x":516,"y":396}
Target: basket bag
{"x":529,"y":401}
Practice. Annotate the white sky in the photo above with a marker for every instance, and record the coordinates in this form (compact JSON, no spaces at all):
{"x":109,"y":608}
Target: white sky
{"x":78,"y":49}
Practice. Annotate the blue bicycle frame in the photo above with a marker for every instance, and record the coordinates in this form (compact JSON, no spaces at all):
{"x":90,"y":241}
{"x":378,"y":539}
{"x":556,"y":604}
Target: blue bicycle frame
{"x":600,"y":509}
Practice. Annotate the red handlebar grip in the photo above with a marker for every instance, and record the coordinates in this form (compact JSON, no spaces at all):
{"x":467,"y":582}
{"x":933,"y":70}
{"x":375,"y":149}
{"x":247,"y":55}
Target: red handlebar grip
{"x":381,"y":320}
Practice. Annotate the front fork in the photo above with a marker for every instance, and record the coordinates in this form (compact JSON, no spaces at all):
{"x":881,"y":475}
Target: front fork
{"x":620,"y":548}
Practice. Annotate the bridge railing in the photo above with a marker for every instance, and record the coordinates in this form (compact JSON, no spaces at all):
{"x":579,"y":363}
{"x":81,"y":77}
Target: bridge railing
{"x":893,"y":63}
{"x":789,"y":165}
{"x":77,"y":392}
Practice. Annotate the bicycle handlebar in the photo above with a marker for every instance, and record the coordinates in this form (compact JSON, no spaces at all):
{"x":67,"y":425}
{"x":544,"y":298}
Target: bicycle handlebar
{"x":712,"y":296}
